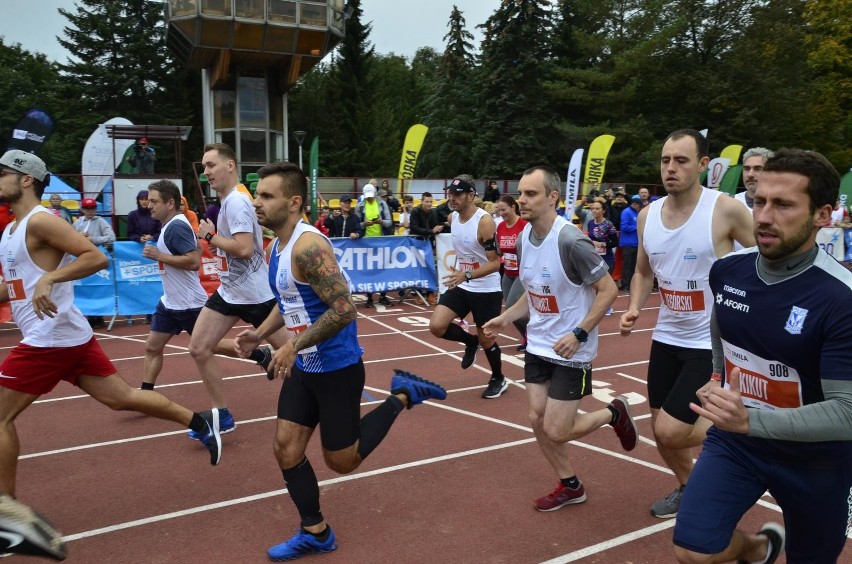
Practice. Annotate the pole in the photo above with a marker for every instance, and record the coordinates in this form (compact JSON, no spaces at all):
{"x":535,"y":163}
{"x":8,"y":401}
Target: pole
{"x":300,"y":137}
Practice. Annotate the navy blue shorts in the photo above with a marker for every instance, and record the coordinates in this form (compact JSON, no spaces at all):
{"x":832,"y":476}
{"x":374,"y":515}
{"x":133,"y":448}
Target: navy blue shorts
{"x":174,"y":321}
{"x":811,"y":482}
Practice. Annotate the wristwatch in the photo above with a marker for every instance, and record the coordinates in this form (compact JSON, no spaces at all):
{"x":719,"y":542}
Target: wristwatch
{"x":468,"y":275}
{"x":208,"y":237}
{"x":581,"y":334}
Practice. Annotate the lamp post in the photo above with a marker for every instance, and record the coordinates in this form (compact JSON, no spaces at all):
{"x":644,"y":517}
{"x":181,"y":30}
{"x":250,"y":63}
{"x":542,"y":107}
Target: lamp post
{"x":300,"y":137}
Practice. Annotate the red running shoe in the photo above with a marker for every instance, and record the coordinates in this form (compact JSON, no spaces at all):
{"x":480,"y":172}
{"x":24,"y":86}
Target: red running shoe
{"x":560,"y":497}
{"x":625,"y":428}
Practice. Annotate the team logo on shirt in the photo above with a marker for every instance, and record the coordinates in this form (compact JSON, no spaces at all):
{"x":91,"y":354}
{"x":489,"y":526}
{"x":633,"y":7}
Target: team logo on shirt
{"x":796,"y":320}
{"x":689,"y":254}
{"x":728,"y":302}
{"x":282,"y":279}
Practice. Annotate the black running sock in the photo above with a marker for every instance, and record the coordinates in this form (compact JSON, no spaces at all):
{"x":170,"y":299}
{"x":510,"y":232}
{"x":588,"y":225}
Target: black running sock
{"x":256,"y":355}
{"x":147,"y":385}
{"x":615,"y":414}
{"x":302,"y":484}
{"x":571,"y":482}
{"x":376,"y":424}
{"x":495,"y":361}
{"x":198,"y":424}
{"x":321,"y":536}
{"x":456,"y":333}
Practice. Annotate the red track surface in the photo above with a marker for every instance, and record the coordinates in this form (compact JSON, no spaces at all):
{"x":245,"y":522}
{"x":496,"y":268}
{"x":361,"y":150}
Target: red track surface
{"x":453,"y":482}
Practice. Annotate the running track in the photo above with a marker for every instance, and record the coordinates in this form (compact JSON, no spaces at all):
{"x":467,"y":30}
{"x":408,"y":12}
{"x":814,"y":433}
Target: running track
{"x":453,"y":482}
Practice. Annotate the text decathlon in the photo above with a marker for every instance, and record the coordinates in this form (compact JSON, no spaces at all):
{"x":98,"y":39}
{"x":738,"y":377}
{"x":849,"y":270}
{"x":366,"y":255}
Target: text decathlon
{"x":379,"y":258}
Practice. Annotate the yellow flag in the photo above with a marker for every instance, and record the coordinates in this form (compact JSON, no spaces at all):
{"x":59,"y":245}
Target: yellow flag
{"x":410,"y":150}
{"x":596,"y":160}
{"x":732,"y":152}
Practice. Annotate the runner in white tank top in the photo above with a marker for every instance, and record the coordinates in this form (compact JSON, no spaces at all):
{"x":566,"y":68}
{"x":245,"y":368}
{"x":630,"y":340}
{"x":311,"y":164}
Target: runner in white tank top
{"x":473,"y":284}
{"x":680,"y":236}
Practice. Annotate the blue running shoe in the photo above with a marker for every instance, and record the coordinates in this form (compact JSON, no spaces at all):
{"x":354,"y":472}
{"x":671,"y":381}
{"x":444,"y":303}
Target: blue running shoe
{"x":302,"y":544}
{"x":416,"y":388}
{"x":226,"y":425}
{"x":212,"y":438}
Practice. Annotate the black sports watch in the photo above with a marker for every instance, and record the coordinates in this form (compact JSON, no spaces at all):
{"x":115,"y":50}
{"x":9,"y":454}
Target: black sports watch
{"x":208,"y":237}
{"x":468,"y":275}
{"x":581,"y":334}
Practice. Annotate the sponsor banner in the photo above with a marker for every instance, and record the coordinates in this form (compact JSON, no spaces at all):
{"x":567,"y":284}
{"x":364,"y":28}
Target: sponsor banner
{"x":846,"y":190}
{"x":732,"y":153}
{"x":572,"y":179}
{"x":31,"y":132}
{"x":99,"y":160}
{"x":731,"y":180}
{"x":716,"y":169}
{"x":95,"y":294}
{"x":137,"y":279}
{"x":848,"y":240}
{"x":410,"y":151}
{"x":384,"y":264}
{"x":831,"y":239}
{"x":313,"y":164}
{"x":596,"y":160}
{"x":446,"y":258}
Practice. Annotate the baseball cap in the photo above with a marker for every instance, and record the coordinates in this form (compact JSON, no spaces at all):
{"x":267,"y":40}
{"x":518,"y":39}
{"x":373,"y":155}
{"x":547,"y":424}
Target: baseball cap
{"x":636,"y":199}
{"x":88,"y":203}
{"x":26,"y":163}
{"x":346,"y":198}
{"x":369,"y":191}
{"x":459,"y":186}
{"x":144,"y":140}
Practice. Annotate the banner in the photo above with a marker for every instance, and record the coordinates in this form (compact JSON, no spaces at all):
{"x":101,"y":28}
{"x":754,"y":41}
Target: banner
{"x":95,"y":294}
{"x":410,"y":150}
{"x":31,"y":132}
{"x":384,"y":264}
{"x":99,"y":162}
{"x":731,"y":180}
{"x":313,"y":164}
{"x":446,"y":258}
{"x":137,"y":279}
{"x":847,"y":236}
{"x":732,"y":153}
{"x":831,"y":240}
{"x":572,"y":179}
{"x":716,"y":169}
{"x":596,"y":160}
{"x":846,"y":191}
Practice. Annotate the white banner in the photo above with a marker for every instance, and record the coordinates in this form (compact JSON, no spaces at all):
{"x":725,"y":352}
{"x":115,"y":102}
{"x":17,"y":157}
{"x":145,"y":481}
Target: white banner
{"x":831,"y":240}
{"x":716,"y":170}
{"x":572,"y":180}
{"x":99,"y":162}
{"x":446,"y":258}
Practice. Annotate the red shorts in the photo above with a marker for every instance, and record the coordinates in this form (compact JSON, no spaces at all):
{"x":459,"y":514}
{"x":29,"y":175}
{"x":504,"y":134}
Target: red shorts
{"x":37,"y":370}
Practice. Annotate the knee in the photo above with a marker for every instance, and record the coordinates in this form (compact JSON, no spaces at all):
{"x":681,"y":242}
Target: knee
{"x":667,"y":437}
{"x":685,"y":556}
{"x":286,"y":453}
{"x":558,"y":434}
{"x":437,"y":329}
{"x":341,"y":464}
{"x":152,"y":350}
{"x":199,"y":351}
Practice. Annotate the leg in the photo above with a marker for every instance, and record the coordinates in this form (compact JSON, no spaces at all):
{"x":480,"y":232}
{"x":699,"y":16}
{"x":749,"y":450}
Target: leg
{"x":153,"y":363}
{"x":117,"y":395}
{"x":209,"y":330}
{"x":12,"y":403}
{"x":515,"y":293}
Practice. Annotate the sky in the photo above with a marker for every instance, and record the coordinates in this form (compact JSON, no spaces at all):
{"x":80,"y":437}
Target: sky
{"x":399,"y":26}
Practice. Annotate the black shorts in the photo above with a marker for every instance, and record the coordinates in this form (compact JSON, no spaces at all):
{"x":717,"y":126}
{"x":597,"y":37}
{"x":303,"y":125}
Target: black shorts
{"x":675,"y":374}
{"x":255,"y":314}
{"x":174,"y":321}
{"x":566,"y":382}
{"x":331,"y":400}
{"x":485,"y":306}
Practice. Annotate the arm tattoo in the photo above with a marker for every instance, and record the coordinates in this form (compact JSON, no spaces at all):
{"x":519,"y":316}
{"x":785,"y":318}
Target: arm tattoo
{"x":319,"y":268}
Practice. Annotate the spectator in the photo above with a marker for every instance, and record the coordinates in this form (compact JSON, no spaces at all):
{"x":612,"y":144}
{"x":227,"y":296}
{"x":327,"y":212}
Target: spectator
{"x":58,"y":209}
{"x":383,"y":196}
{"x":389,"y":198}
{"x":375,"y":217}
{"x":603,"y":233}
{"x":191,"y":216}
{"x":508,"y":231}
{"x":618,"y":205}
{"x":346,"y":223}
{"x":405,"y":215}
{"x":141,"y":227}
{"x":443,"y":211}
{"x":645,"y":196}
{"x":424,"y":223}
{"x":321,"y":224}
{"x":492,"y":194}
{"x":840,"y":214}
{"x":628,"y":241}
{"x":143,"y":157}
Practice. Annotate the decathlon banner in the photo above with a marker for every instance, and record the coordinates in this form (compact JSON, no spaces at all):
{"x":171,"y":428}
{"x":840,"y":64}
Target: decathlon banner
{"x":383,"y":264}
{"x":716,"y":170}
{"x":596,"y":161}
{"x":410,"y":150}
{"x":137,"y":279}
{"x":572,"y":179}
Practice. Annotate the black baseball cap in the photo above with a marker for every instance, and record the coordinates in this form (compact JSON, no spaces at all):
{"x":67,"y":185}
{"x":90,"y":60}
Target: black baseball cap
{"x":459,"y":186}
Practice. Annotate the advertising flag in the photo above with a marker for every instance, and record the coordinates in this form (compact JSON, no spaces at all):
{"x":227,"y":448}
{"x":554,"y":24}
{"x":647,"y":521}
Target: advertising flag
{"x":596,"y":161}
{"x":732,"y":153}
{"x":731,"y":180}
{"x":716,"y":171}
{"x":31,"y":132}
{"x":99,"y":161}
{"x":846,"y":190}
{"x":410,"y":151}
{"x":313,"y":164}
{"x":572,"y":179}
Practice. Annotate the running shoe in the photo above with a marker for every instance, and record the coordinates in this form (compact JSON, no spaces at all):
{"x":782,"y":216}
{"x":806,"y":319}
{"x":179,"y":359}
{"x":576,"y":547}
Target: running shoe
{"x":495,"y":388}
{"x":560,"y":497}
{"x":384,"y":301}
{"x":625,"y":427}
{"x":469,"y":355}
{"x":23,"y":531}
{"x":302,"y":544}
{"x":777,"y":538}
{"x":667,"y":507}
{"x":369,"y":303}
{"x":212,"y":439}
{"x":417,"y":389}
{"x":226,"y":424}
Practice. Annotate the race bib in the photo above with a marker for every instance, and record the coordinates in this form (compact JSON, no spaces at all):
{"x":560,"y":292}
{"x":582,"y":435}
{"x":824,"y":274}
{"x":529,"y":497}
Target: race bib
{"x":465,"y":266}
{"x":221,"y":262}
{"x":764,"y":384}
{"x":542,"y":303}
{"x":15,"y":287}
{"x":682,"y":297}
{"x":510,"y":261}
{"x":296,"y":322}
{"x":600,"y":247}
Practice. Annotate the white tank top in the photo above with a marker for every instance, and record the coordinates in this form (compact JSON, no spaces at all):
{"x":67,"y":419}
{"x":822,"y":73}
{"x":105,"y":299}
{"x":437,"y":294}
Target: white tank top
{"x":469,"y":252}
{"x":182,"y":289}
{"x":68,"y":327}
{"x":681,"y":259}
{"x":556,"y":304}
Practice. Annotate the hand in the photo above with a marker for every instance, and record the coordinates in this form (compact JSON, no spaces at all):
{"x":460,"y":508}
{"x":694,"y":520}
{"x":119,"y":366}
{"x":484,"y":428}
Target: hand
{"x":283,"y":360}
{"x":703,"y":392}
{"x":42,"y":304}
{"x":566,"y":346}
{"x":205,"y":227}
{"x":353,"y":235}
{"x":725,"y":408}
{"x":454,"y":278}
{"x":246,"y":342}
{"x":493,"y":327}
{"x":151,"y":252}
{"x":437,"y":229}
{"x":145,"y":238}
{"x":628,"y":320}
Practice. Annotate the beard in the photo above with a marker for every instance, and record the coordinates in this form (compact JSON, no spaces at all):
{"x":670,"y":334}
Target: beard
{"x":786,"y":246}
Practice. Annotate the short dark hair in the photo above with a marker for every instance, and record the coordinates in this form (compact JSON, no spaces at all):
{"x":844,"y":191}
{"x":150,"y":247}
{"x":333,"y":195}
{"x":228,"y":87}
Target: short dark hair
{"x":223,"y":149}
{"x":700,"y":140}
{"x":168,"y":191}
{"x":823,"y":179}
{"x":510,"y":201}
{"x":426,"y":195}
{"x":293,"y":180}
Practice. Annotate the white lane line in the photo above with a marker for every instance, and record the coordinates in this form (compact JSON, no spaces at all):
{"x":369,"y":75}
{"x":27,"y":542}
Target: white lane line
{"x":611,"y":543}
